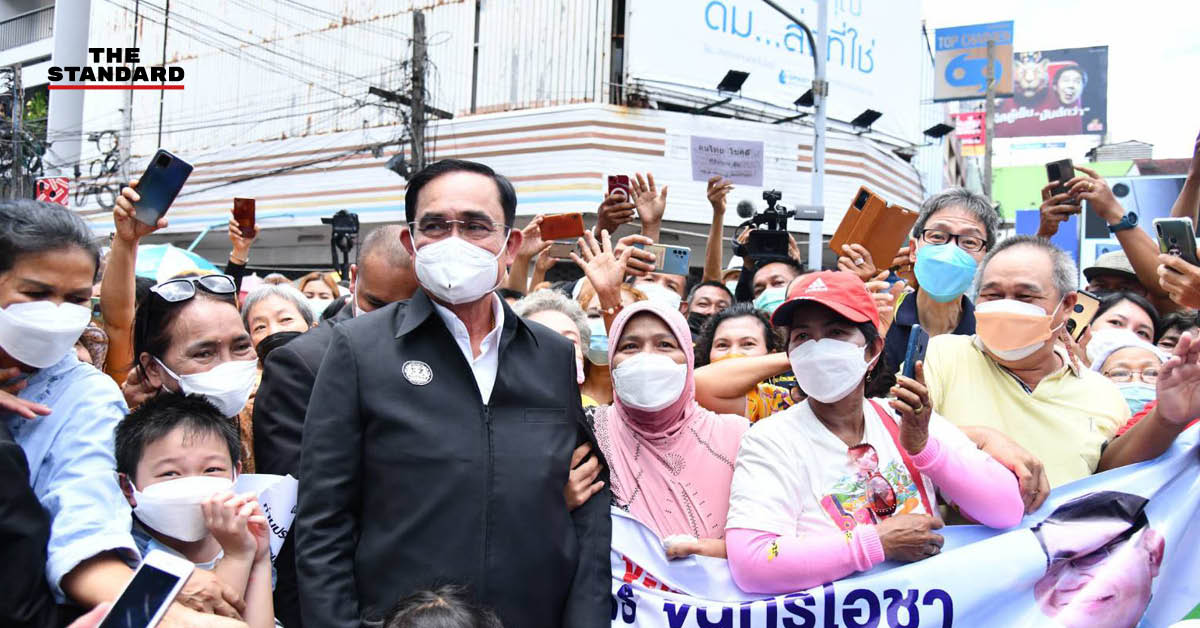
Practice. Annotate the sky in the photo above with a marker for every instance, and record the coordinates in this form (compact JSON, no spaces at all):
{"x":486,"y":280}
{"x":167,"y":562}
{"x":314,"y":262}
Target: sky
{"x":1153,"y":56}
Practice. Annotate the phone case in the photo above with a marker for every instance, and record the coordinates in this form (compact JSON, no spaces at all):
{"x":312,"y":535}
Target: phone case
{"x":1176,"y":237}
{"x":619,"y":182}
{"x":562,"y":226}
{"x":243,"y":213}
{"x":1082,"y":313}
{"x":918,"y":342}
{"x":672,"y":260}
{"x":159,"y":186}
{"x":1061,"y":171}
{"x":880,"y":228}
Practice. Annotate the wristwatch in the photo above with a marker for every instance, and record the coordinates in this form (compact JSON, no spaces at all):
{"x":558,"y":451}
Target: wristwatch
{"x":1129,"y":221}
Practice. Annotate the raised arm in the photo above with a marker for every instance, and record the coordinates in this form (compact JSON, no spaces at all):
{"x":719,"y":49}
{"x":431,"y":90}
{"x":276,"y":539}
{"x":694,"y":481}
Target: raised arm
{"x":718,"y":192}
{"x":651,"y":204}
{"x":239,"y":255}
{"x":531,"y":246}
{"x":1187,"y":205}
{"x":117,"y":289}
{"x":722,"y":386}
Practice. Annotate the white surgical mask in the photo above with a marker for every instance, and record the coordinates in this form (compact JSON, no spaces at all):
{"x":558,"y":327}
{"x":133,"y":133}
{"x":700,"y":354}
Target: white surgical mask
{"x":659,"y":294}
{"x":318,"y":307}
{"x":173,"y":507}
{"x":457,"y":271}
{"x":828,"y":369}
{"x":227,"y":385}
{"x":40,"y":333}
{"x":649,"y":381}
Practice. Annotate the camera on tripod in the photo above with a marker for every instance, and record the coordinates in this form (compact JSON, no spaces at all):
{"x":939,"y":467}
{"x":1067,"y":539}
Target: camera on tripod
{"x":768,"y":239}
{"x":343,"y":237}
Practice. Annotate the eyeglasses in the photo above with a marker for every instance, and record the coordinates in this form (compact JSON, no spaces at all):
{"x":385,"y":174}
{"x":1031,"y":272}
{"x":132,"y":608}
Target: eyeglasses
{"x":968,"y":243}
{"x":881,"y":497}
{"x":477,"y":229}
{"x":1095,"y":557}
{"x":177,"y":290}
{"x":1124,"y":376}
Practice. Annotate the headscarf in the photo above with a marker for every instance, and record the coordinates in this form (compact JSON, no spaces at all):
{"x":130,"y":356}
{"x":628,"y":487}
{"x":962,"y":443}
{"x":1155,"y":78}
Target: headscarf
{"x":672,"y":468}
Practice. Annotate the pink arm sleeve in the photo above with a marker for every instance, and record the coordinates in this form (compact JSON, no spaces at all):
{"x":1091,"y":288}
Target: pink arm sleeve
{"x":763,"y":562}
{"x":981,"y":487}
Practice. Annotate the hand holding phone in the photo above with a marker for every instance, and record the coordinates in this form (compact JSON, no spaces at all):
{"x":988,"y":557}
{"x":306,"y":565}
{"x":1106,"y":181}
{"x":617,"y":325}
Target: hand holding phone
{"x":1082,"y":314}
{"x":562,"y":227}
{"x":672,"y":260}
{"x":1060,"y":172}
{"x":918,"y":343}
{"x":243,"y":213}
{"x":1177,"y":237}
{"x":151,"y":590}
{"x":620,"y":182}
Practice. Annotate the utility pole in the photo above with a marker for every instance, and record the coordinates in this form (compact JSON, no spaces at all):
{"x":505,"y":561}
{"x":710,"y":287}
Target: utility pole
{"x":127,"y":122}
{"x":418,"y":92}
{"x":18,"y":105}
{"x":989,"y":124}
{"x":166,"y":22}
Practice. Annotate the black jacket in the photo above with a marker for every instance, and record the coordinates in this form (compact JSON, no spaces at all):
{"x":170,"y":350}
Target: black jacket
{"x":287,"y":381}
{"x":406,"y":486}
{"x":25,"y":598}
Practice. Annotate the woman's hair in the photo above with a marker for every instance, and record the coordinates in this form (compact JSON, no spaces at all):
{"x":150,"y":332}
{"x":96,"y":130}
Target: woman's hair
{"x":1183,"y":320}
{"x":153,"y":319}
{"x":285,"y":292}
{"x":708,"y":333}
{"x":318,"y":276}
{"x":444,"y":607}
{"x":275,"y":278}
{"x":587,"y":293}
{"x":1109,"y":301}
{"x":551,"y":301}
{"x":30,"y":227}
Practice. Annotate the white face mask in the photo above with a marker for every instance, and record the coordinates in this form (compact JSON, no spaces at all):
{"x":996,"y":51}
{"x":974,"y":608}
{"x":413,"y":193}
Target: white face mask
{"x":827,"y":369}
{"x":318,"y":307}
{"x":173,"y":507}
{"x":659,"y":294}
{"x":40,"y":333}
{"x":649,"y":381}
{"x":457,"y":271}
{"x":227,"y":385}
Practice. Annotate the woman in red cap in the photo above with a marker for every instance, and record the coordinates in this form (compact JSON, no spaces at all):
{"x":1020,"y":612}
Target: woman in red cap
{"x":851,"y":475}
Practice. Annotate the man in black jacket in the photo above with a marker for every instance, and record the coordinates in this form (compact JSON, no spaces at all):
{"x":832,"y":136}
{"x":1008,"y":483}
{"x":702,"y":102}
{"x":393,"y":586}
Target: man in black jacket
{"x":25,"y":598}
{"x":439,"y":435}
{"x":383,"y":274}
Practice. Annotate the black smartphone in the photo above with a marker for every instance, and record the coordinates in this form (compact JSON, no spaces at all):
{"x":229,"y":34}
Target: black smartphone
{"x":1177,"y":237}
{"x":1062,"y":171}
{"x":918,"y":342}
{"x":159,"y":186}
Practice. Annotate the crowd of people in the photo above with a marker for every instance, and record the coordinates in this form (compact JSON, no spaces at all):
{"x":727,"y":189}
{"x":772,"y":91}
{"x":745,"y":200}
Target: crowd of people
{"x":460,"y":426}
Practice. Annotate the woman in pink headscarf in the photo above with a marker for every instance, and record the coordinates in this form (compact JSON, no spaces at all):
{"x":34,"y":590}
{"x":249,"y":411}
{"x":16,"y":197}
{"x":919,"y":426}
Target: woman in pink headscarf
{"x":671,"y":460}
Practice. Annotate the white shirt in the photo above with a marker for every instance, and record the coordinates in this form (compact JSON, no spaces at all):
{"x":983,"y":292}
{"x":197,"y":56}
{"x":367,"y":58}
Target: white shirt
{"x":793,"y":475}
{"x":483,"y":367}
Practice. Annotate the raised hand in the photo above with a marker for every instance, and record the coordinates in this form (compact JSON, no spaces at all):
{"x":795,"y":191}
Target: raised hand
{"x":531,"y":242}
{"x":641,"y":261}
{"x":718,"y":191}
{"x":602,"y":267}
{"x":227,"y":517}
{"x":1180,"y":280}
{"x":855,"y":258}
{"x":651,"y":203}
{"x":1178,"y":383}
{"x":1093,"y":188}
{"x":614,"y":211}
{"x":1055,"y":209}
{"x":241,"y":244}
{"x":128,"y":228}
{"x":912,"y":403}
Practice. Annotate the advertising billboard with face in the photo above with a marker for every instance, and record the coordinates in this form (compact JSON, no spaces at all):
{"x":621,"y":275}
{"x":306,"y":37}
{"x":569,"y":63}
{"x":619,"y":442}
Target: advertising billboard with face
{"x":1056,"y":92}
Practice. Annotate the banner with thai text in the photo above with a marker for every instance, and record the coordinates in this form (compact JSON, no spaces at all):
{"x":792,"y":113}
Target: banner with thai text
{"x":1119,"y":549}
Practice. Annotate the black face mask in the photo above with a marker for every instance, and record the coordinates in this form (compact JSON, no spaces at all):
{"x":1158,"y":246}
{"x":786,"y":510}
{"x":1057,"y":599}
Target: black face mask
{"x":696,"y":322}
{"x":274,"y":341}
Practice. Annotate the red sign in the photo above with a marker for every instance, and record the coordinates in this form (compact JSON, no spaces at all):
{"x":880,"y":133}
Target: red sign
{"x":969,"y":129}
{"x":54,"y":190}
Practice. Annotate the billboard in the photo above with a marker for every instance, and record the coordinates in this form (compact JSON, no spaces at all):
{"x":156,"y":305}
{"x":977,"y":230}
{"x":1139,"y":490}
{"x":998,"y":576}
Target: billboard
{"x":970,"y":131}
{"x":874,"y":52}
{"x":960,"y":61}
{"x":1056,"y":92}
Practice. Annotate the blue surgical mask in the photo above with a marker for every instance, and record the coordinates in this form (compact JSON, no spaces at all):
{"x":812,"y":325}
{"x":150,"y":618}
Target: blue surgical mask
{"x":770,"y":299}
{"x":597,"y":352}
{"x":944,"y":271}
{"x":1137,"y":395}
{"x":732,"y":285}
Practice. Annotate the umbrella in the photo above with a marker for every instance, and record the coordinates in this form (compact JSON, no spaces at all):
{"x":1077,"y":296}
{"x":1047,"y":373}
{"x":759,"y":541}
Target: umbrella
{"x":161,"y":262}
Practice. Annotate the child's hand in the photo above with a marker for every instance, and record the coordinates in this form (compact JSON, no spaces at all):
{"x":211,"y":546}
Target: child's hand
{"x":227,"y":517}
{"x":261,"y":531}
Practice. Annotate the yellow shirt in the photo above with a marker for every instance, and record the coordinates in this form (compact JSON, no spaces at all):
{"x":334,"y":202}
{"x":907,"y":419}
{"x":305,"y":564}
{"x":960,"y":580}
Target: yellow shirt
{"x":1064,"y":421}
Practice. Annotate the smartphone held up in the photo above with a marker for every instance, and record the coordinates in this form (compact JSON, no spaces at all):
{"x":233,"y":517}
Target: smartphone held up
{"x":159,"y":186}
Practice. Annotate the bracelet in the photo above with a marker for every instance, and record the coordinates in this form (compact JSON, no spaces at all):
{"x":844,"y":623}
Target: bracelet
{"x":238,"y":262}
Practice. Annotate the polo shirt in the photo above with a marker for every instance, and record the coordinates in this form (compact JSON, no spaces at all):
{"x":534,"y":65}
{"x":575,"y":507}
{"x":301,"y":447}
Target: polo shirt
{"x":1065,"y":421}
{"x":895,"y":344}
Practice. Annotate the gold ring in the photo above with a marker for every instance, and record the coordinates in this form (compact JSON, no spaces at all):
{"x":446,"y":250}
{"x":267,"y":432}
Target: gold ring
{"x":919,"y":409}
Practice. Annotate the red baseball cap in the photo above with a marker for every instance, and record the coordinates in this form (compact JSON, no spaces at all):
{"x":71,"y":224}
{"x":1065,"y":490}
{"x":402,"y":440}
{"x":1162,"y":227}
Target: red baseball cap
{"x":839,"y":291}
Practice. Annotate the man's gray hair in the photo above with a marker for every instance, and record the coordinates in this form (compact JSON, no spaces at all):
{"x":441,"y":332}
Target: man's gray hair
{"x":283,"y":291}
{"x":1064,"y":273}
{"x":978,"y":206}
{"x":552,"y":301}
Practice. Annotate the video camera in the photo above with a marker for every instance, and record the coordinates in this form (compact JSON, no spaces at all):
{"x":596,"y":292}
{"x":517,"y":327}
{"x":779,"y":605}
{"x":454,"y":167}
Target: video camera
{"x":343,"y":238}
{"x":768,"y":239}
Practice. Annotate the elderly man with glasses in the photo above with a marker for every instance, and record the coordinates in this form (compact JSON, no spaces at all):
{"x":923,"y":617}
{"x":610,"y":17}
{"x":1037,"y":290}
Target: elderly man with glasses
{"x":439,"y":436}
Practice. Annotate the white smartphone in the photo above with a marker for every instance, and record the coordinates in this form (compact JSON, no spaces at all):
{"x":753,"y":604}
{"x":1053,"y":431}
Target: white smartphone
{"x":148,"y":594}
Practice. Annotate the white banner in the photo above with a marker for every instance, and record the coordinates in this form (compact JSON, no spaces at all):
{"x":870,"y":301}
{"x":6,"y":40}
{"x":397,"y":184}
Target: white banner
{"x":277,"y":496}
{"x":1126,"y":553}
{"x":874,"y":51}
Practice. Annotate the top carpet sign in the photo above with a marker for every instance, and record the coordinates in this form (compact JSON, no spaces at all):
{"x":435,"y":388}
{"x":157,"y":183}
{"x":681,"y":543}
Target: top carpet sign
{"x":960,"y":61}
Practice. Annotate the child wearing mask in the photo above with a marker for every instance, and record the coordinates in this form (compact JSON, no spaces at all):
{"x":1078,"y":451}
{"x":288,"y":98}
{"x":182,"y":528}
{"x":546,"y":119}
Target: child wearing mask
{"x":177,"y":457}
